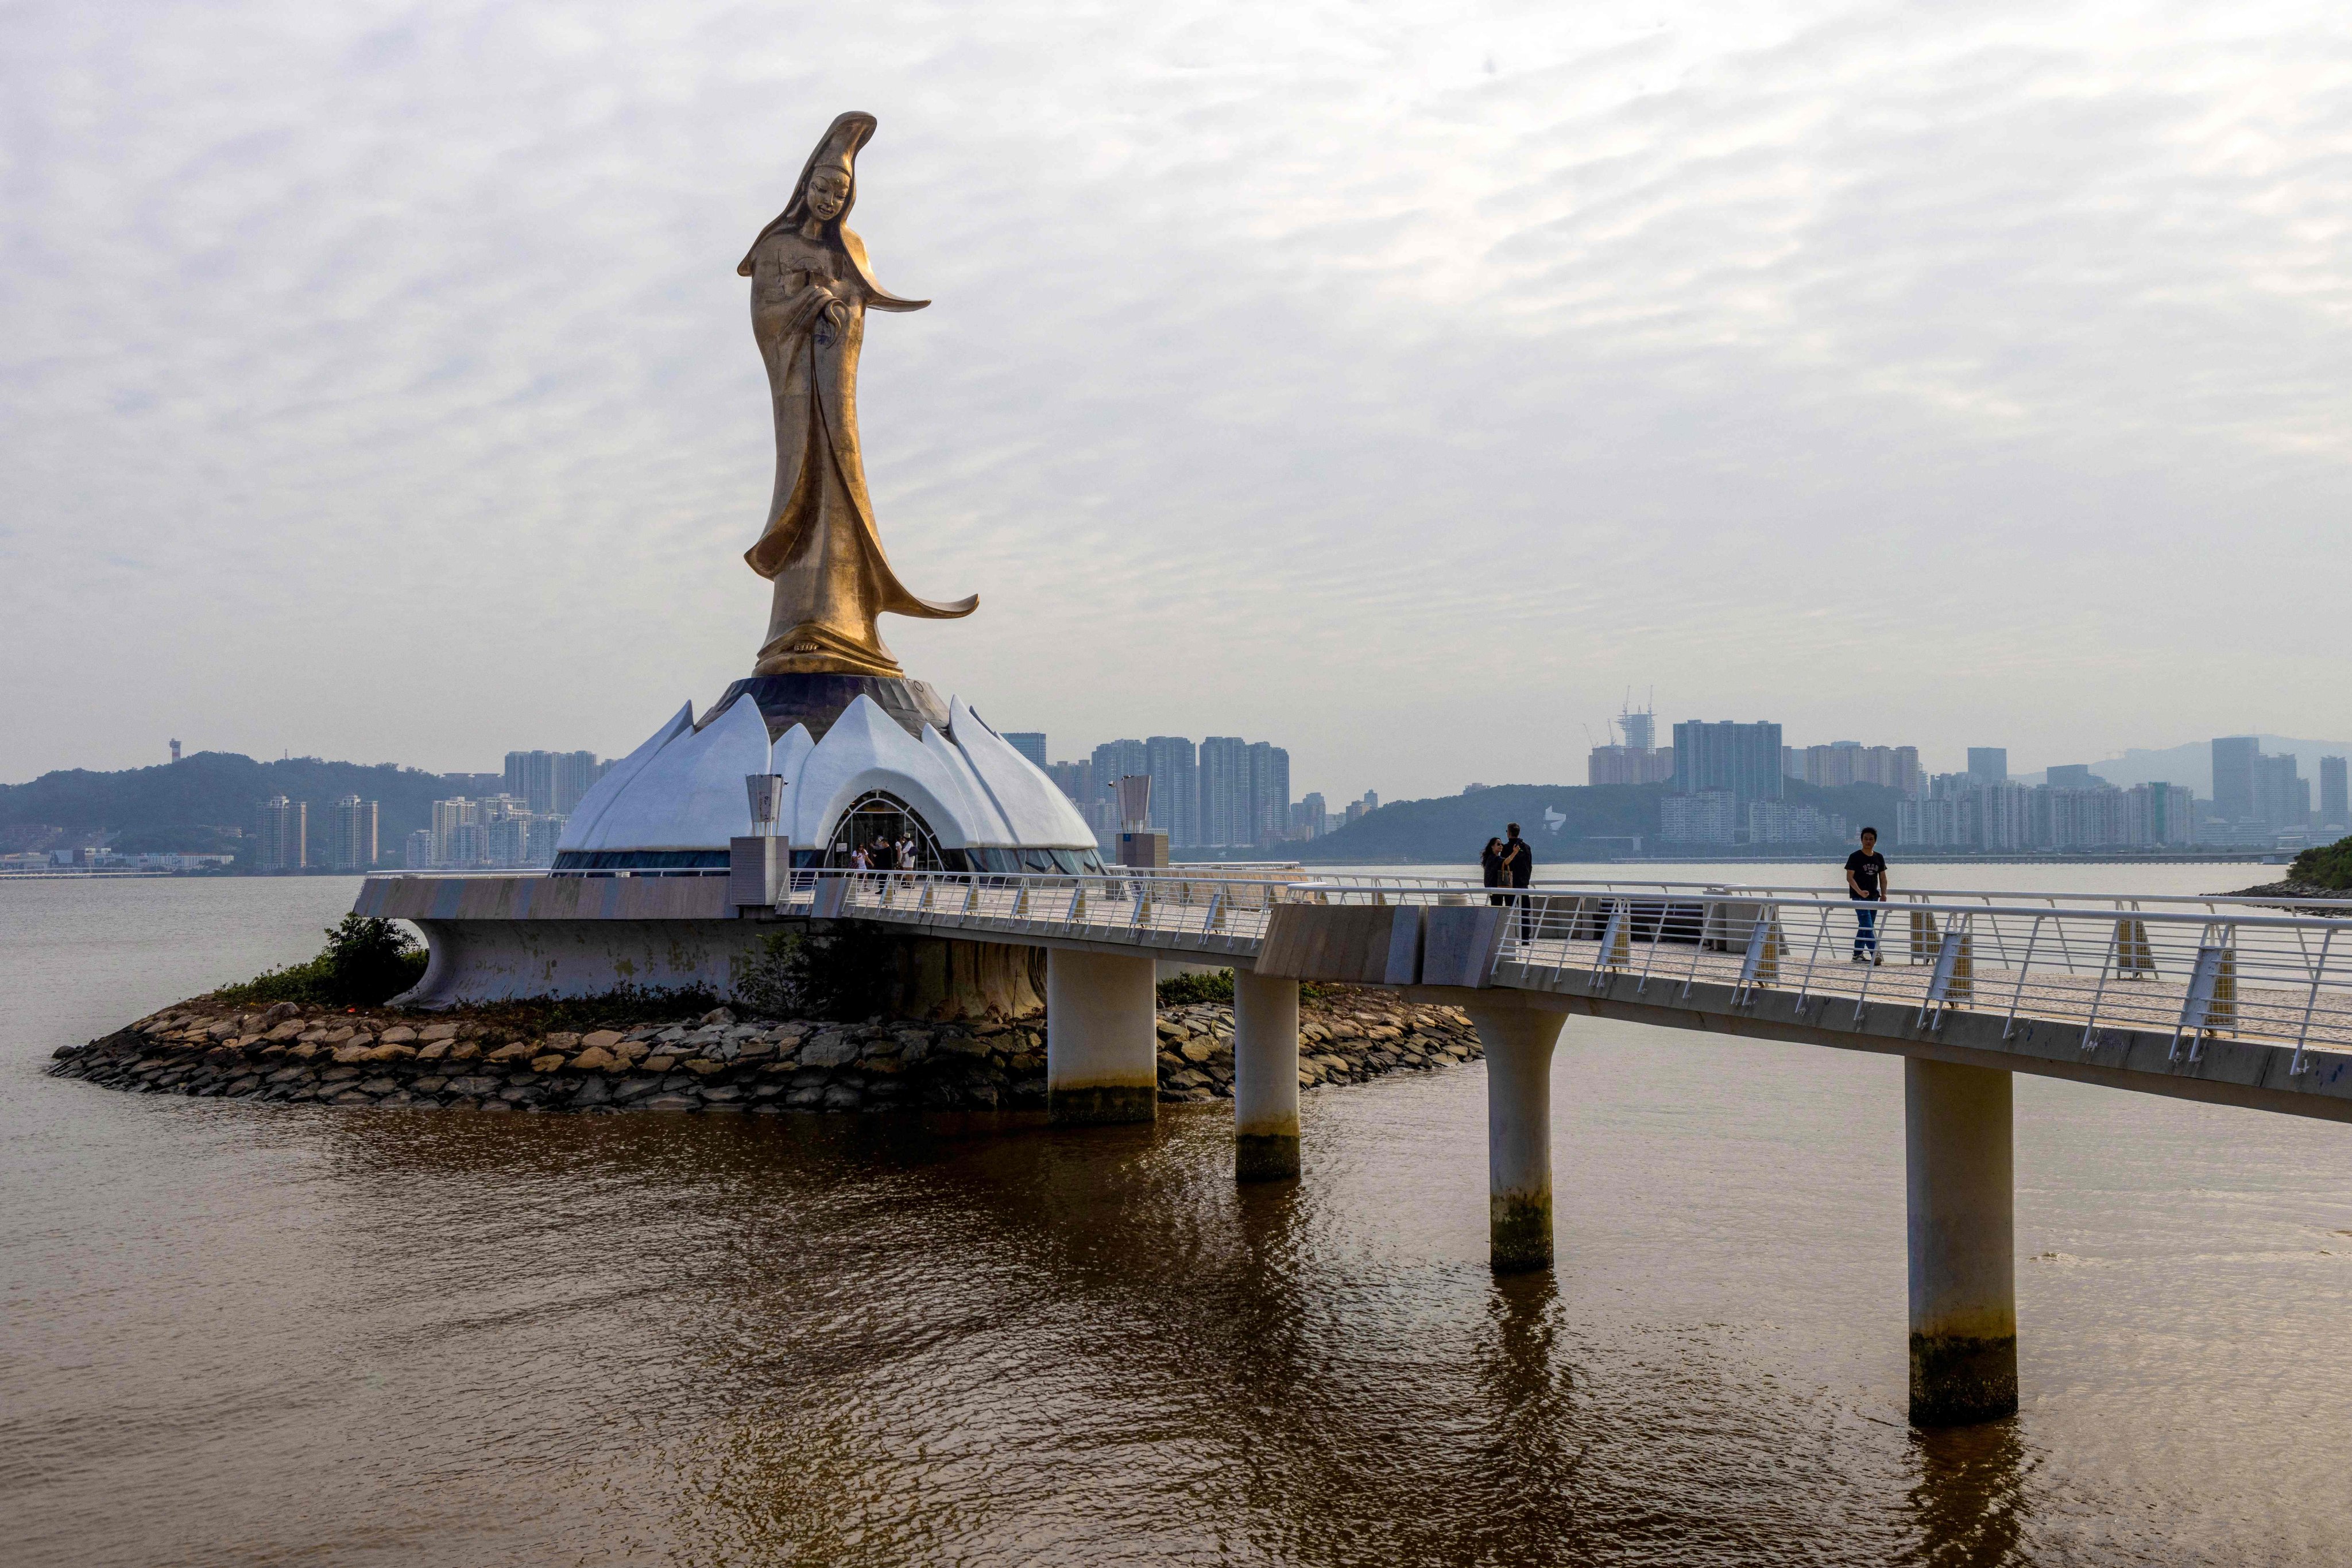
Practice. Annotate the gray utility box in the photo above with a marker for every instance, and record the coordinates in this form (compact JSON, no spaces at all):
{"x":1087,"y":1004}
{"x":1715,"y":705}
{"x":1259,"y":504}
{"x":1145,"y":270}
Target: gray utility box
{"x":758,"y":872}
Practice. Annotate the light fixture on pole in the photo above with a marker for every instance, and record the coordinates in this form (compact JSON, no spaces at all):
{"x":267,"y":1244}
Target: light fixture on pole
{"x":759,"y":868}
{"x":767,"y":793}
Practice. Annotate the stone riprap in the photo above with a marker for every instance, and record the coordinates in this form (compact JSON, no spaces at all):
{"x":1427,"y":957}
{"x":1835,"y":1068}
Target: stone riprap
{"x":715,"y":1063}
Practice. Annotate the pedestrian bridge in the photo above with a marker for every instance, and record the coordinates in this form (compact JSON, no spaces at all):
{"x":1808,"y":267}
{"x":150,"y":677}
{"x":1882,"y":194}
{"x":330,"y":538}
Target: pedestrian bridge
{"x":2228,"y":1000}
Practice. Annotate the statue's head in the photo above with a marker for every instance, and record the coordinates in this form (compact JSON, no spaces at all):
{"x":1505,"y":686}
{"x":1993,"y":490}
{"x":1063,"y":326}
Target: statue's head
{"x":828,"y":192}
{"x":828,"y":184}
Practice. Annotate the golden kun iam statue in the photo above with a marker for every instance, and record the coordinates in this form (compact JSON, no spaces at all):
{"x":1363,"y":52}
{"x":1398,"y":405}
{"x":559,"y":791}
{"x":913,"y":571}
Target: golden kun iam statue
{"x":811,"y":288}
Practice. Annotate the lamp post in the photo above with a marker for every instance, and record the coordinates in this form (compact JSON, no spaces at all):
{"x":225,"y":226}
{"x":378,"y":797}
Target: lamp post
{"x":759,"y":868}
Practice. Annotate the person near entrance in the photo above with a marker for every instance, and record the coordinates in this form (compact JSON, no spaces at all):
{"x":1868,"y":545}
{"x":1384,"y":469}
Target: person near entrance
{"x":1866,"y":884}
{"x":1518,"y":870}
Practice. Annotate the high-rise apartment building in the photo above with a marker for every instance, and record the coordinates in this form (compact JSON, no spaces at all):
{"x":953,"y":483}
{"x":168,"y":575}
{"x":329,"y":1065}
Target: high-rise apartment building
{"x":1172,"y":761}
{"x":351,"y":841}
{"x":2158,"y":815}
{"x":551,"y":782}
{"x":2233,"y":775}
{"x":1310,"y":819}
{"x":1629,"y":765}
{"x":2281,"y":795}
{"x":2004,"y":817}
{"x":284,"y":835}
{"x":1958,"y":812}
{"x":1269,"y":792}
{"x":1844,"y":762}
{"x":2333,"y":811}
{"x":1117,"y":759}
{"x":1029,"y":743}
{"x":1226,"y":792}
{"x":1989,"y":764}
{"x":1744,"y":758}
{"x":416,"y":853}
{"x":1223,"y":784}
{"x":1702,"y":815}
{"x":452,"y":820}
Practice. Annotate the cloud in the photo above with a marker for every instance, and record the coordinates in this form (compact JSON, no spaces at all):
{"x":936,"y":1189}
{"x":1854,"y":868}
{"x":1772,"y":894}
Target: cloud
{"x":377,"y":379}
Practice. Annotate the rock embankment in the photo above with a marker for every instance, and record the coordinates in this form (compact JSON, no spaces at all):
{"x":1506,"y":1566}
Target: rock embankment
{"x":715,"y":1063}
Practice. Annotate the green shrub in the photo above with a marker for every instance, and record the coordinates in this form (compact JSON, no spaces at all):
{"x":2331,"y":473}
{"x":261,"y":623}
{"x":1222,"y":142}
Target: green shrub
{"x":1217,"y":986}
{"x":2325,"y":865}
{"x":847,"y":972}
{"x":364,"y":964}
{"x":1190,"y":991}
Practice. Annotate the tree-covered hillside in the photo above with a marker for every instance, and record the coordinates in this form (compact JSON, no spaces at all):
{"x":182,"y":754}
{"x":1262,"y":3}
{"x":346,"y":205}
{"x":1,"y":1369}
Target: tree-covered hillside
{"x":182,"y":806}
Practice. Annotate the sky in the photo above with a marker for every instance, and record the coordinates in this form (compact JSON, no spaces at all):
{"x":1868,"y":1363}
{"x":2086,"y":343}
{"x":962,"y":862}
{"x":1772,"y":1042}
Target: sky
{"x":1402,"y":384}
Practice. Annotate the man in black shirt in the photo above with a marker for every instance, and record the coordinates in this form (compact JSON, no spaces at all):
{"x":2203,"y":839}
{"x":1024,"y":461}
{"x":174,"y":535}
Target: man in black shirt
{"x":1865,"y":882}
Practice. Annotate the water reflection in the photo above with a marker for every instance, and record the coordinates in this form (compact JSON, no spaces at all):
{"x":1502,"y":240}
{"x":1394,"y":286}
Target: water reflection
{"x":1970,"y":1501}
{"x":888,"y":1338}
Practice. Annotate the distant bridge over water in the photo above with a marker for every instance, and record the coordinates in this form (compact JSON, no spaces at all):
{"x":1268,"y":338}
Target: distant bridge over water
{"x":2228,"y":1000}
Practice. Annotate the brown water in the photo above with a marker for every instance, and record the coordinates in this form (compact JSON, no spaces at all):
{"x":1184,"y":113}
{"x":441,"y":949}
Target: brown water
{"x":246,"y":1334}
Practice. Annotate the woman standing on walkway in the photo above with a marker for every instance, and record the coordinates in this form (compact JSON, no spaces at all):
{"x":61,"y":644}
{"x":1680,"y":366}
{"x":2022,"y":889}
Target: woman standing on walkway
{"x":1490,"y":860}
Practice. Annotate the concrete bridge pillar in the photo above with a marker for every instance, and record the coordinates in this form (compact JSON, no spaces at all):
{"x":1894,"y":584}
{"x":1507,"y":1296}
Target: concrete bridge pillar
{"x":1519,"y":1044}
{"x":1265,"y":1077}
{"x":1961,"y":1190}
{"x":1102,"y":1059}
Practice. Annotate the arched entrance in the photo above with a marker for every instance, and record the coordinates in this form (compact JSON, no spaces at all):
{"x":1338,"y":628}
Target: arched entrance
{"x":878,"y":818}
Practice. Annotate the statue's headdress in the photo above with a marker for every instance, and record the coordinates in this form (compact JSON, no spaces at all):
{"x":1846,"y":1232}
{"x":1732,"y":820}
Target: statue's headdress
{"x":836,"y":150}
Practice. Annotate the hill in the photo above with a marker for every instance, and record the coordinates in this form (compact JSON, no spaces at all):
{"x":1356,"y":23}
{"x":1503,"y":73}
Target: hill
{"x":1560,"y":819}
{"x":207,"y":803}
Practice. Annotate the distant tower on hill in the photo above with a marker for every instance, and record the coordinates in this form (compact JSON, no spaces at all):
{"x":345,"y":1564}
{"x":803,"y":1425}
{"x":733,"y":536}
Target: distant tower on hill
{"x":175,"y":751}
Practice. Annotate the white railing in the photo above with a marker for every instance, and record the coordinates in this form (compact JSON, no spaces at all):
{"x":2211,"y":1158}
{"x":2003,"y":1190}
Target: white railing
{"x":2191,"y":968}
{"x":2194,"y":968}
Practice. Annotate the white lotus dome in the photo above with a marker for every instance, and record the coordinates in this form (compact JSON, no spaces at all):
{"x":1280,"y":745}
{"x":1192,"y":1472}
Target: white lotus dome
{"x":967,"y":799}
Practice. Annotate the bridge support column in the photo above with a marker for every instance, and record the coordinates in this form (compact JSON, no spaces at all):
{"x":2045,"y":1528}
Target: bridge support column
{"x":1265,"y":1077}
{"x":1961,"y":1186}
{"x":1518,"y":1134}
{"x":1102,"y":1061}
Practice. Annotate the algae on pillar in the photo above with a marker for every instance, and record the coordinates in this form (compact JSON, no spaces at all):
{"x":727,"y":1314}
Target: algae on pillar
{"x":1265,"y":1076}
{"x":1102,"y":1056}
{"x":1518,"y":1134}
{"x":1961,"y":1195}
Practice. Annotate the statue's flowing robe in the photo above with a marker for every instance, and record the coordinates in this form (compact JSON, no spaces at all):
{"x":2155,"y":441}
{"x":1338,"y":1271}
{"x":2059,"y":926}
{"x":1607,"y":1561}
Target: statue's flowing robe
{"x":820,"y":546}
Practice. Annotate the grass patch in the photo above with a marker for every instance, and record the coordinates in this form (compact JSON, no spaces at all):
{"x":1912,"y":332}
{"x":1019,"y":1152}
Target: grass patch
{"x":624,"y":1009}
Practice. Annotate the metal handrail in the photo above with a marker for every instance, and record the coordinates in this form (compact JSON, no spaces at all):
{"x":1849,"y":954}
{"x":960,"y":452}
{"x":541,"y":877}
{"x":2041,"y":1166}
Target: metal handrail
{"x":2198,"y":968}
{"x":2285,"y":979}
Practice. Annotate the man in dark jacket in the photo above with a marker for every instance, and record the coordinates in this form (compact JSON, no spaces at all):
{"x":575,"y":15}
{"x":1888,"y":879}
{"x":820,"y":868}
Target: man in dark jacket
{"x":1518,"y":870}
